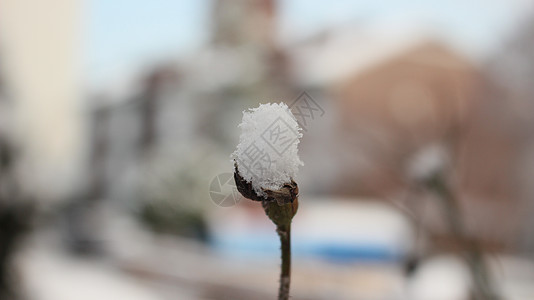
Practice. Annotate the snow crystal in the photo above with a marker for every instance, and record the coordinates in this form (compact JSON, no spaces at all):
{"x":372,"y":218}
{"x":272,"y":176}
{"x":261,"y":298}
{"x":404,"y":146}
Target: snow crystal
{"x":267,"y":154}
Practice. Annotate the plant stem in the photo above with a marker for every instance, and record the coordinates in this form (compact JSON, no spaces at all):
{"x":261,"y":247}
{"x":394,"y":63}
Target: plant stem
{"x":484,"y":288}
{"x":284,"y":232}
{"x":280,"y":206}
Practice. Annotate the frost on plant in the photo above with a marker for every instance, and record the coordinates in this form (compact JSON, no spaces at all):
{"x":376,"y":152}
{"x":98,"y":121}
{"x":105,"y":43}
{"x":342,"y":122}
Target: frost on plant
{"x":427,"y":162}
{"x":266,"y":155}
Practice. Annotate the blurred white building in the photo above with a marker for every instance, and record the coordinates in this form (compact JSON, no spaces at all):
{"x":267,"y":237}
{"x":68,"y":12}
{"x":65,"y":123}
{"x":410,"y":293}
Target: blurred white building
{"x":39,"y":48}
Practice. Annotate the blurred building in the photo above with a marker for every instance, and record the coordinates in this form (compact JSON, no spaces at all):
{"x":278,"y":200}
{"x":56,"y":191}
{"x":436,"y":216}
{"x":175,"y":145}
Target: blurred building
{"x":43,"y":79}
{"x":397,"y":93}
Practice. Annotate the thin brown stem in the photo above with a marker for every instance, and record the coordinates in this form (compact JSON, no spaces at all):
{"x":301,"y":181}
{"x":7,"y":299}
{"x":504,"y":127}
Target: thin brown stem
{"x":484,"y":288}
{"x":285,"y":276}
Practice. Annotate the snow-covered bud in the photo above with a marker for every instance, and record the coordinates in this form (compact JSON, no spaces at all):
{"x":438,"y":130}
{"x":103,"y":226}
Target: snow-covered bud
{"x":427,"y":163}
{"x":266,"y":158}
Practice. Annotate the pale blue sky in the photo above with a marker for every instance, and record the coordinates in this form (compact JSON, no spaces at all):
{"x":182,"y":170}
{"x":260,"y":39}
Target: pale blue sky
{"x":464,"y":19}
{"x":125,"y":34}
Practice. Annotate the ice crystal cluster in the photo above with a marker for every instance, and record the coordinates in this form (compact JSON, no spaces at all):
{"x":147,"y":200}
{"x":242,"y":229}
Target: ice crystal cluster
{"x":267,"y":154}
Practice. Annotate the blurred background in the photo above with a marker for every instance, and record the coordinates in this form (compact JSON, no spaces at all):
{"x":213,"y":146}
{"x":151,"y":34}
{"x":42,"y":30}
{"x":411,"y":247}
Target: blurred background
{"x":118,"y":118}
